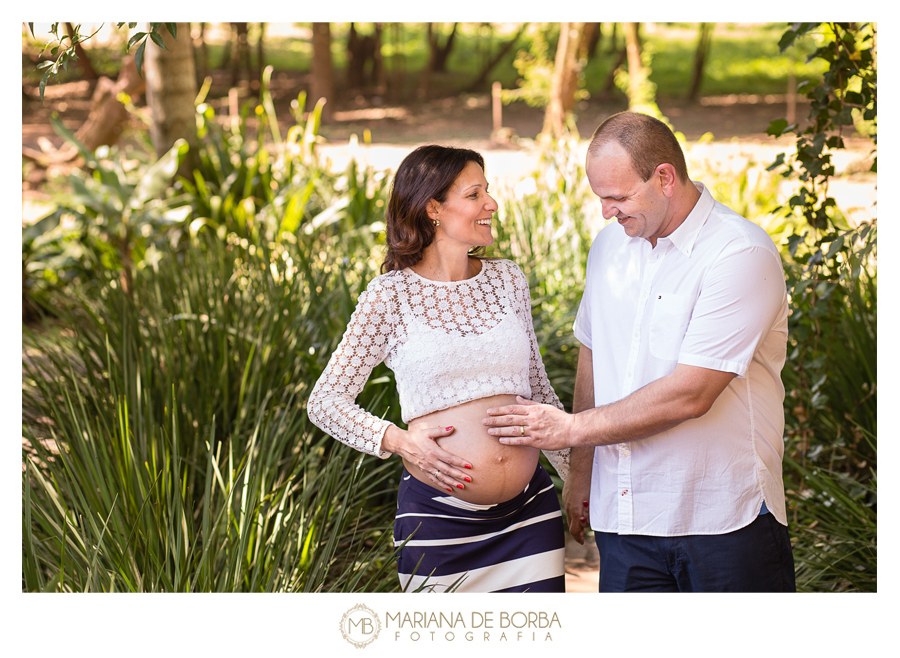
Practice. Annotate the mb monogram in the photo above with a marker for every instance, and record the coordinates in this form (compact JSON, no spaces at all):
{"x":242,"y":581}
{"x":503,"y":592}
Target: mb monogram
{"x":360,"y":625}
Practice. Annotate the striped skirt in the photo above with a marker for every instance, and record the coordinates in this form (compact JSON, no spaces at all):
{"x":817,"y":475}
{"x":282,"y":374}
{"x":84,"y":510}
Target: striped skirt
{"x":514,"y":546}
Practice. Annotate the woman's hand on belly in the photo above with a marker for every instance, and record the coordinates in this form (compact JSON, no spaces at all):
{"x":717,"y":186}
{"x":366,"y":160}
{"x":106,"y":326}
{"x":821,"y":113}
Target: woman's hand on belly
{"x":418,"y":446}
{"x":499,"y":472}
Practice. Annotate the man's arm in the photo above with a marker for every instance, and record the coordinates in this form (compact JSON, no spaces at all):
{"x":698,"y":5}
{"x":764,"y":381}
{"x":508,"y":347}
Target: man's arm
{"x":577,"y":488}
{"x":687,"y":392}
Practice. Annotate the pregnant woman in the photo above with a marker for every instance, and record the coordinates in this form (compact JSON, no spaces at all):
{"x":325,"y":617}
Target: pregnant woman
{"x":473,"y":515}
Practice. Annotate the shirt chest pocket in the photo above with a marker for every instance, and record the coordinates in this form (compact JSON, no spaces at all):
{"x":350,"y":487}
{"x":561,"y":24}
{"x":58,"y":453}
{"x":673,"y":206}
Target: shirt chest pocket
{"x":668,"y":323}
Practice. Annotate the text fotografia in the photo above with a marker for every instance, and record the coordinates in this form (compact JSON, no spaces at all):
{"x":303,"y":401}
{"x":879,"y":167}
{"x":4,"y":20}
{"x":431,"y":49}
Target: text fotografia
{"x":476,"y":626}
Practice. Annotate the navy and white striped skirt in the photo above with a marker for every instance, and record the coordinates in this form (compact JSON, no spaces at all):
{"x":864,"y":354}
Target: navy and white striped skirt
{"x":514,"y":546}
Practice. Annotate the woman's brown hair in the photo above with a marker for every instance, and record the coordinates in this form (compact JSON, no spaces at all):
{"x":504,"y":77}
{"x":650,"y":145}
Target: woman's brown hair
{"x":425,"y":174}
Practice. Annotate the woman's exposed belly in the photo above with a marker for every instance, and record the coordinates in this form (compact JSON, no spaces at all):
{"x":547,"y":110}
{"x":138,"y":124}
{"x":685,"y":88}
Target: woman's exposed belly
{"x":499,"y":472}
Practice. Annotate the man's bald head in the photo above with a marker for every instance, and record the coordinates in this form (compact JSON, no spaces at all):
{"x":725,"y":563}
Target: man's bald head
{"x":648,"y":141}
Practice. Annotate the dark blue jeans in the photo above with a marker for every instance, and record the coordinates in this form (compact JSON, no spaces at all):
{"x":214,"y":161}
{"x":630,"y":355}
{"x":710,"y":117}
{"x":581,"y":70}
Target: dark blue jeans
{"x":756,"y":558}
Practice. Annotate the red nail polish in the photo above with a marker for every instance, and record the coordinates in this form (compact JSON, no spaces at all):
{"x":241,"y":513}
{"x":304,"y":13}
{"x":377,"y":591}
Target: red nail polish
{"x":468,"y":465}
{"x":447,"y":429}
{"x":584,"y":503}
{"x":449,"y":489}
{"x":459,"y":486}
{"x":468,"y":479}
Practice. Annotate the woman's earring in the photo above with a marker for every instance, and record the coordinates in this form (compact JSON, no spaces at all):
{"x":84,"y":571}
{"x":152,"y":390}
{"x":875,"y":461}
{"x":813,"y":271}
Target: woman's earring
{"x":436,"y":222}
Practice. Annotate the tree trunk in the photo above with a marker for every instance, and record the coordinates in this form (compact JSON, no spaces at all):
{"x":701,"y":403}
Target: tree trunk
{"x":398,"y":64}
{"x":108,"y":115}
{"x":425,"y":79}
{"x":363,"y":58}
{"x":83,"y":60}
{"x":437,"y":58}
{"x":594,"y":41}
{"x":442,"y":52}
{"x":322,"y":85}
{"x":378,"y":66}
{"x":260,"y":52}
{"x":611,"y":76}
{"x":613,"y":39}
{"x":635,"y":65}
{"x":354,"y":58}
{"x":486,"y":70}
{"x":201,"y":55}
{"x":240,"y":62}
{"x":106,"y":118}
{"x":171,"y":89}
{"x":704,"y":35}
{"x":564,"y":81}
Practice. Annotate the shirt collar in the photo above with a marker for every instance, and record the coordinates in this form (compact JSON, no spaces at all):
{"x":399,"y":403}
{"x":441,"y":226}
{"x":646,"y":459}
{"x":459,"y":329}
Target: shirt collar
{"x":685,"y":235}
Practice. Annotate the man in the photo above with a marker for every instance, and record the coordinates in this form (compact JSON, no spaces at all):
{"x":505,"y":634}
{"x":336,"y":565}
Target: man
{"x":678,"y":419}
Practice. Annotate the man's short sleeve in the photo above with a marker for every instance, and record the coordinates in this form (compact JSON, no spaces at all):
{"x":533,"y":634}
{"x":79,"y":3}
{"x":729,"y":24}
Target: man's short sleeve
{"x":742,"y":298}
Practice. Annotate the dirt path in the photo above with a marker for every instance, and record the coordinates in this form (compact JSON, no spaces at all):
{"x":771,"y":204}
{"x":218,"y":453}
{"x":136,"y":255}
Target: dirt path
{"x":737,"y":124}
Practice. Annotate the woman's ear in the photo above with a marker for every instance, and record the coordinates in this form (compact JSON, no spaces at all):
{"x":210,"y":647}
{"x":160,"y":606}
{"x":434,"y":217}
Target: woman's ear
{"x":433,"y":209}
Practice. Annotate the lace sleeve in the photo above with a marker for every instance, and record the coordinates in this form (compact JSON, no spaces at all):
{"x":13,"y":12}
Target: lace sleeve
{"x":331,"y":405}
{"x":541,"y":389}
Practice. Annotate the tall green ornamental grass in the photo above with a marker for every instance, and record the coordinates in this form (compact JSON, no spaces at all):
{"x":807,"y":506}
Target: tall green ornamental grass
{"x":169,"y":449}
{"x":166,"y":442}
{"x":831,"y":419}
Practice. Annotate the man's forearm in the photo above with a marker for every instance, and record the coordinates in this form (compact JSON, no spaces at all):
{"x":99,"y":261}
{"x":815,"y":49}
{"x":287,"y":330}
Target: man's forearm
{"x":688,"y":392}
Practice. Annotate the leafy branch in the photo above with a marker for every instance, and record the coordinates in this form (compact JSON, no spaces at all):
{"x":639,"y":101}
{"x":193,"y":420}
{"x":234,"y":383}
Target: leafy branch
{"x":61,"y":53}
{"x":62,"y":47}
{"x":140,"y":38}
{"x":846,"y":96}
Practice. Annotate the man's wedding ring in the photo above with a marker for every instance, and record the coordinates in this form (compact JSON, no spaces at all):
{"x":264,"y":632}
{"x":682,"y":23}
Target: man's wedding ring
{"x":521,"y":430}
{"x":436,"y":474}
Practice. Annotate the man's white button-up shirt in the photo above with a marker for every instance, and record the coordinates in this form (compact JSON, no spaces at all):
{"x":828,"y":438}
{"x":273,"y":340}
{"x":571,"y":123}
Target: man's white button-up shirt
{"x":711,"y":294}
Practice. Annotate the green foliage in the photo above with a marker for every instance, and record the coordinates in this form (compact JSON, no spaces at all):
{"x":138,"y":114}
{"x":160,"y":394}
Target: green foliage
{"x":167,"y":448}
{"x":182,"y":395}
{"x":63,"y":54}
{"x":59,"y":51}
{"x":535,"y":66}
{"x":846,"y":92}
{"x":140,"y":38}
{"x":836,"y":547}
{"x":51,"y":258}
{"x":122,"y":211}
{"x":831,"y":378}
{"x":638,"y":86}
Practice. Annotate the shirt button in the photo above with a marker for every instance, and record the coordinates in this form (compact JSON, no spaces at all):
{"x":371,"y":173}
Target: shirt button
{"x":636,"y":334}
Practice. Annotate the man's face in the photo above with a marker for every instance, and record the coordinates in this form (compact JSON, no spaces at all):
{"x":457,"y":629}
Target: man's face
{"x":639,"y":206}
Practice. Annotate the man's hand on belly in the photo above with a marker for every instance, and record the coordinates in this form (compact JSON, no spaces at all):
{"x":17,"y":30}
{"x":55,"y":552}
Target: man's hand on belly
{"x":532,"y":424}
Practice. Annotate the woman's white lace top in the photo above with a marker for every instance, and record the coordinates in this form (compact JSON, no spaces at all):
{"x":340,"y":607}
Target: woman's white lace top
{"x":448,"y":342}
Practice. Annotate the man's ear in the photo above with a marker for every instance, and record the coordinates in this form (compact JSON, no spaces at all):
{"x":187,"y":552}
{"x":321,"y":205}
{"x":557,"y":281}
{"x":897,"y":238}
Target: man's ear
{"x":667,"y":177}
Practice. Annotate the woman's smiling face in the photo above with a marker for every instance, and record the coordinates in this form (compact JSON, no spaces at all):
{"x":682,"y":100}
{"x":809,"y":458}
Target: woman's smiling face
{"x":465,"y":215}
